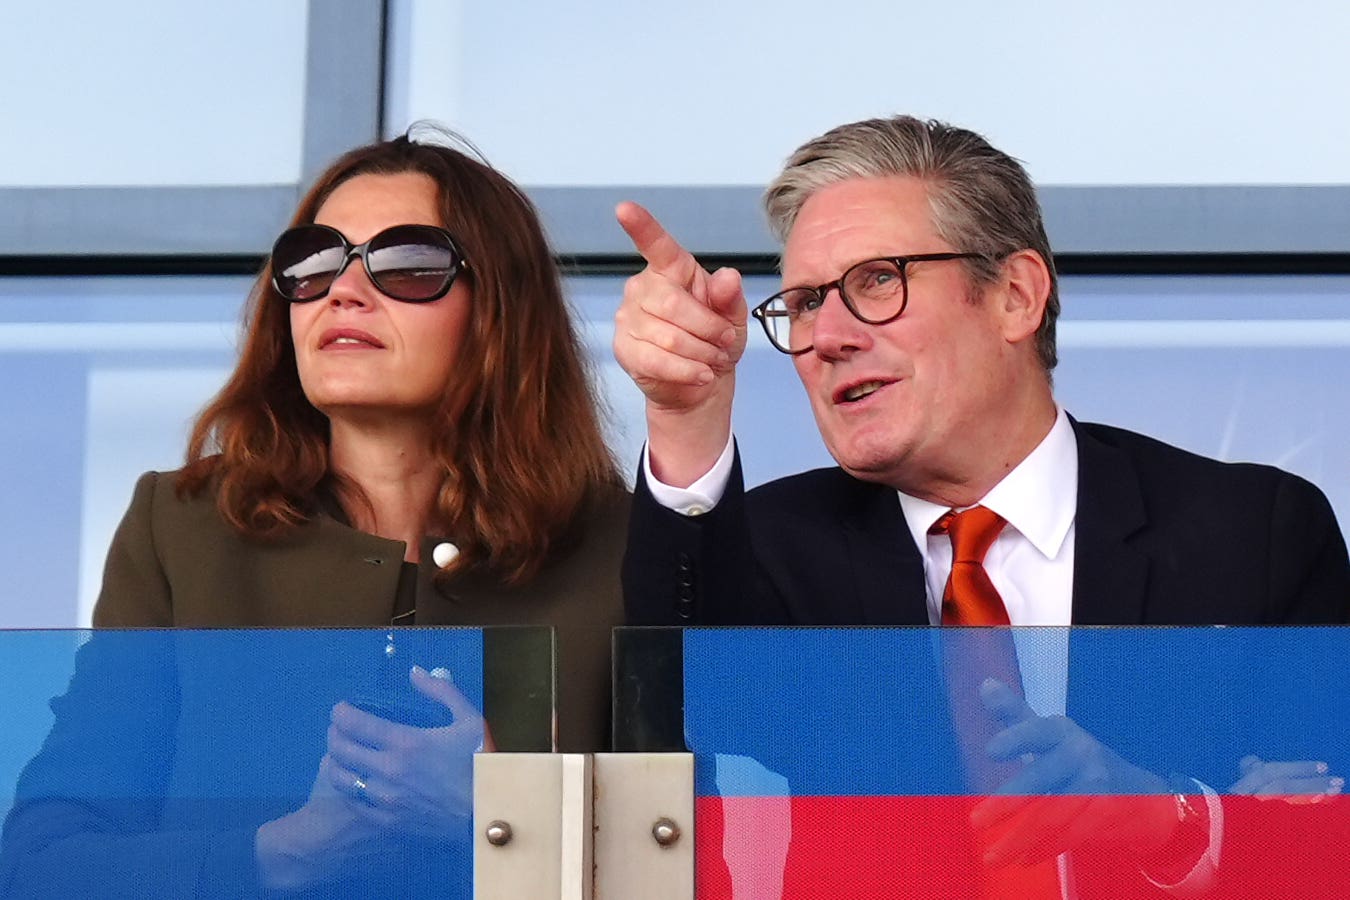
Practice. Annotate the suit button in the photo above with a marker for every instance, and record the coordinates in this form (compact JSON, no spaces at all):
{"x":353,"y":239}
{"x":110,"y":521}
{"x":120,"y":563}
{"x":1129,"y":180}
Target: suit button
{"x":684,"y":587}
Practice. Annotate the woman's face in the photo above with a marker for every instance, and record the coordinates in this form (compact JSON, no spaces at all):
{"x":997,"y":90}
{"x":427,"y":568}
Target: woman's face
{"x":361,"y":354}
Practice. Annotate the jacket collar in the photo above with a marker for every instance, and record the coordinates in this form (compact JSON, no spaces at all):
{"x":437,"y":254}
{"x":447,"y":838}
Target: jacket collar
{"x":1110,"y":577}
{"x":887,"y":567}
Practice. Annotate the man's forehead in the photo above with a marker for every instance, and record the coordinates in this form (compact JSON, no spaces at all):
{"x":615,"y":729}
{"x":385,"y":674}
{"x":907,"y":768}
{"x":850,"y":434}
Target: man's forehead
{"x":860,"y":218}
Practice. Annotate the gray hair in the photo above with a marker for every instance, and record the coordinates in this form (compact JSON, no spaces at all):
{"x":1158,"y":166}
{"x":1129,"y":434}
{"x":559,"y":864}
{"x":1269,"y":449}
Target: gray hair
{"x":981,"y":198}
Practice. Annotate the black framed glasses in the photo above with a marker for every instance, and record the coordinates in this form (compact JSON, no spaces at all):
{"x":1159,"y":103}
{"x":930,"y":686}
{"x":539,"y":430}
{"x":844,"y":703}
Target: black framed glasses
{"x":875,"y":291}
{"x":412,"y":263}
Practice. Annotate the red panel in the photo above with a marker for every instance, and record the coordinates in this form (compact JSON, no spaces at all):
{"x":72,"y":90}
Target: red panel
{"x":809,"y":848}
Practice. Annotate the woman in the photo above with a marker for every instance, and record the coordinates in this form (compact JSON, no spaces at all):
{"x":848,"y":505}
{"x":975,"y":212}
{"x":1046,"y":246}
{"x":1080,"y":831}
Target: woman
{"x":408,"y":438}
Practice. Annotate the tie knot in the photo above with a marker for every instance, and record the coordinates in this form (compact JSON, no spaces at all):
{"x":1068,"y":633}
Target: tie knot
{"x":972,"y":532}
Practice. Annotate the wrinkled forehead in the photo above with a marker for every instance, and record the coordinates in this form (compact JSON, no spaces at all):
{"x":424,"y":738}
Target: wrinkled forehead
{"x":861,"y":218}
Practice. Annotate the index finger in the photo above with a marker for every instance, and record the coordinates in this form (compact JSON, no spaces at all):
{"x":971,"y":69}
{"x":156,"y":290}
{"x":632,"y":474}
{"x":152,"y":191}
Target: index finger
{"x":661,"y":251}
{"x":1258,"y":777}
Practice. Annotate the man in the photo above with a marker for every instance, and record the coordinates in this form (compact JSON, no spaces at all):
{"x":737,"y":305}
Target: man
{"x":919,"y":311}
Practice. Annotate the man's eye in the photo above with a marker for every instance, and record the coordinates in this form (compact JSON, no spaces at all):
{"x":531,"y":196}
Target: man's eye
{"x":800,"y":303}
{"x":874,"y":276}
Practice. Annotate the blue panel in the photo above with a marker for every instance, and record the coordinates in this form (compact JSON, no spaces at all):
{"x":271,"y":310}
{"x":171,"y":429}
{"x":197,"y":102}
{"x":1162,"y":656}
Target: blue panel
{"x":171,"y":748}
{"x":845,"y":712}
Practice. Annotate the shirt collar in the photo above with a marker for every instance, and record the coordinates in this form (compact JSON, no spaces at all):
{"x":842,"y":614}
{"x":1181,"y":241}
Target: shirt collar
{"x":1039,"y":497}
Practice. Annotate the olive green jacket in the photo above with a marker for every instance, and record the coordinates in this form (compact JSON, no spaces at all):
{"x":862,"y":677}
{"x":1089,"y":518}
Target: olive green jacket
{"x":175,"y":563}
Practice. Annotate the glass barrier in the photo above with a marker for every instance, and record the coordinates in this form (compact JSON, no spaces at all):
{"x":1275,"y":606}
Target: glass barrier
{"x":1120,"y":762}
{"x":232,"y":763}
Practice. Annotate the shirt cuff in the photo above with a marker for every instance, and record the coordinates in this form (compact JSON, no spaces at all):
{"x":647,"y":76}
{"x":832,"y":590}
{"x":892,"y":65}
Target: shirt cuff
{"x":701,"y":496}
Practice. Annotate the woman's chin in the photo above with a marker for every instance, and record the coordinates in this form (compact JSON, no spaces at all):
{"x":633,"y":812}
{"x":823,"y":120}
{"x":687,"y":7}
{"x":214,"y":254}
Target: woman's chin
{"x":362,"y":409}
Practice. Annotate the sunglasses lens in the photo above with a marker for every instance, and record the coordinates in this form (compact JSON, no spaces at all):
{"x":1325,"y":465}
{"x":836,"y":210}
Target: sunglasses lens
{"x":305,"y":261}
{"x":412,"y":262}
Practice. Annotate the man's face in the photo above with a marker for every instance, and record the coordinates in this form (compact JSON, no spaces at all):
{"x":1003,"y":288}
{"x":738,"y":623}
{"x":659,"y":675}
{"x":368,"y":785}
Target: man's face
{"x":910,"y":403}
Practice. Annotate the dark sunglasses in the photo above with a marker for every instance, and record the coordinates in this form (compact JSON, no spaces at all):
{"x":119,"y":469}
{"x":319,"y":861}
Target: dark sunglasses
{"x":412,"y":263}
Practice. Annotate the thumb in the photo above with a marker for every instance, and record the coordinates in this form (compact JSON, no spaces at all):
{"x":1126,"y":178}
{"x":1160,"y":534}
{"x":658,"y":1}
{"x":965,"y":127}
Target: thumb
{"x":726,"y":295}
{"x":442,"y":689}
{"x":1007,"y":707}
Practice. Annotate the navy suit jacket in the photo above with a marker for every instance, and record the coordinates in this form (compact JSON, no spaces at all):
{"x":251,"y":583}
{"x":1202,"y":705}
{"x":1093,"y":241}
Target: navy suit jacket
{"x":1163,"y":537}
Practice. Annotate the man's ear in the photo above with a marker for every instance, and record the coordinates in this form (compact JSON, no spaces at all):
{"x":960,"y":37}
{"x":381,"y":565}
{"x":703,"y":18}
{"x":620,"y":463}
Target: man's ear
{"x":1026,"y":290}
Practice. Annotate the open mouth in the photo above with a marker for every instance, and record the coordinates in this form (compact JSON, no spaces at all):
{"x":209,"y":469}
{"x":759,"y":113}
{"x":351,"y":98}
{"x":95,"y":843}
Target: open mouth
{"x":348,"y":337}
{"x":347,"y":341}
{"x":860,"y":391}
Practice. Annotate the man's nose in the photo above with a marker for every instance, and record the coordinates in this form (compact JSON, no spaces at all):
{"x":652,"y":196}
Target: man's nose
{"x":837,"y":331}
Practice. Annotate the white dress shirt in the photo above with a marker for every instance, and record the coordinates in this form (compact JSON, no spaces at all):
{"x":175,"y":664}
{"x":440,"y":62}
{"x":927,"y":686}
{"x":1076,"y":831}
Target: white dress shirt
{"x":1030,"y":564}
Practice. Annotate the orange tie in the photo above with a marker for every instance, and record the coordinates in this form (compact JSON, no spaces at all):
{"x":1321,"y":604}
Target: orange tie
{"x":970,"y":597}
{"x":970,"y":656}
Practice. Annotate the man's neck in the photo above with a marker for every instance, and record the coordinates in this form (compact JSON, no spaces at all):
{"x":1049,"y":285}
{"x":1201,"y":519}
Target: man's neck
{"x":988,"y":459}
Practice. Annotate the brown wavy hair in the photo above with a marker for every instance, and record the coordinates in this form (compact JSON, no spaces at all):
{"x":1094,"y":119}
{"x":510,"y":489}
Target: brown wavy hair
{"x":519,"y":432}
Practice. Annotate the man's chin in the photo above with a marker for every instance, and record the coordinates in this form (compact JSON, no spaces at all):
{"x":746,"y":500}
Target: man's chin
{"x":866,"y":467}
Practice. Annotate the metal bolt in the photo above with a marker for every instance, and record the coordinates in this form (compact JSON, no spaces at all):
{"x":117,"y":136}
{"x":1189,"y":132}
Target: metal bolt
{"x":665,"y":832}
{"x":498,"y":833}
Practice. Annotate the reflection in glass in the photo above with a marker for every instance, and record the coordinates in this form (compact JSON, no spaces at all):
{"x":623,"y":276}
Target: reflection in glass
{"x":170,"y":749}
{"x":830,"y":760}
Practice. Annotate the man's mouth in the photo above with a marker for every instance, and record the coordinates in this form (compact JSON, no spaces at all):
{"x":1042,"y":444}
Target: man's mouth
{"x":859,"y":391}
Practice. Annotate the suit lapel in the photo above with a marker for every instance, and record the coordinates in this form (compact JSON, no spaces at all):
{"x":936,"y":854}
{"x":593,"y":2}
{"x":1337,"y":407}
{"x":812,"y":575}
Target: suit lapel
{"x":887,"y":567}
{"x":1110,"y":577}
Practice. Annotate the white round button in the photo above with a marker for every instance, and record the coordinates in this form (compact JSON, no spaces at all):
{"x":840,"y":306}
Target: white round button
{"x":444,"y":554}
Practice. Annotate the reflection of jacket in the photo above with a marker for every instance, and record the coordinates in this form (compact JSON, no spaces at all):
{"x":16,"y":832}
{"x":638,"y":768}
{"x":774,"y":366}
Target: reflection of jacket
{"x":1162,"y":537}
{"x":177,"y":713}
{"x":175,"y":563}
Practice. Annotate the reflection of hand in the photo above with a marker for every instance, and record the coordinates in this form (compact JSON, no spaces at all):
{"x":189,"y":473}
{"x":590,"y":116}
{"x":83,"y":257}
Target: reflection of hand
{"x":1300,"y":781}
{"x":377,"y":778}
{"x":412,"y":780}
{"x":1073,"y":791}
{"x":323,"y":837}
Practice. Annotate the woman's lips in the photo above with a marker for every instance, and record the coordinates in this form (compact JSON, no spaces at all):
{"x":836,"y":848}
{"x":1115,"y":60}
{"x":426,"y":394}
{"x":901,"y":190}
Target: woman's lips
{"x":348,"y":338}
